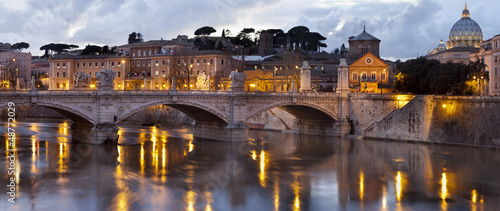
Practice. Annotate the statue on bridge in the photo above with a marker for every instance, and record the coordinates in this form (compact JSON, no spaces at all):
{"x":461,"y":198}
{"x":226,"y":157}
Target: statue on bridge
{"x":105,"y":79}
{"x":237,"y":80}
{"x":203,"y":82}
{"x":81,"y":79}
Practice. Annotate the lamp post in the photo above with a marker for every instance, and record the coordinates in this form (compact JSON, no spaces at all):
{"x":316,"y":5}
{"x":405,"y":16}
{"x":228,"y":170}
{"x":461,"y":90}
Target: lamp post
{"x":209,"y":73}
{"x":124,"y":83}
{"x":189,"y":75}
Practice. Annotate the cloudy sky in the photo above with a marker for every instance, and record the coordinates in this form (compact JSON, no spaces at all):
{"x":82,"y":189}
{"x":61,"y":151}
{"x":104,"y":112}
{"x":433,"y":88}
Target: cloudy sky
{"x":407,"y":28}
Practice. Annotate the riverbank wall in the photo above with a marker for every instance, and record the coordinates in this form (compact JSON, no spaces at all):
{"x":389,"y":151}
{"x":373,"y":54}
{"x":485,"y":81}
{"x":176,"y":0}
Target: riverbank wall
{"x":463,"y":120}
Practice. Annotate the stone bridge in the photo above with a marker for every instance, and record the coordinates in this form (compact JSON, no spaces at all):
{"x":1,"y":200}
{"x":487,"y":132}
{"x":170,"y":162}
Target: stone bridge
{"x":219,"y":115}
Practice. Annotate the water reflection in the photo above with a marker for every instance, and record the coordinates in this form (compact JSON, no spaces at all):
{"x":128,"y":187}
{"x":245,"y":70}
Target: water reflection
{"x":169,"y":170}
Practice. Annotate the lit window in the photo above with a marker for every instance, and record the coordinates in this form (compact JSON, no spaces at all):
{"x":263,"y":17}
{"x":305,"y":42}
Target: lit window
{"x":157,"y":63}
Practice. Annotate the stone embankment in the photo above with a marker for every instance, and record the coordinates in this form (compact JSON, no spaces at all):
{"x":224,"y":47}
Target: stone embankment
{"x":470,"y":120}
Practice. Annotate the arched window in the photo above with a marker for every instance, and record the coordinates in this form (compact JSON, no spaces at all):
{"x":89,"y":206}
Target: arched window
{"x":364,"y":50}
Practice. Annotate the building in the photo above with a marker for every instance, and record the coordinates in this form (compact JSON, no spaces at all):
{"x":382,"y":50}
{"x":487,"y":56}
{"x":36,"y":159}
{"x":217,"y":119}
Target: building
{"x":144,"y":65}
{"x":40,"y":68}
{"x":367,"y":71}
{"x":15,"y":67}
{"x":362,"y":44}
{"x":489,"y":54}
{"x":464,"y":39}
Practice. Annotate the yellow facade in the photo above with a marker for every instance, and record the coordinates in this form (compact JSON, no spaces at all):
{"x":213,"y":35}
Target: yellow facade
{"x":368,"y":73}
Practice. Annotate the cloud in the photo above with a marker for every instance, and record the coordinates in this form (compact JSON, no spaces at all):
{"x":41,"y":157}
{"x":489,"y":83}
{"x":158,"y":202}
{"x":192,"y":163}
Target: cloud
{"x":406,"y":27}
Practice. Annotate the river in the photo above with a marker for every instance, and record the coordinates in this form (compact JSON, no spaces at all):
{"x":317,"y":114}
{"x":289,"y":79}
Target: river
{"x":165,"y":169}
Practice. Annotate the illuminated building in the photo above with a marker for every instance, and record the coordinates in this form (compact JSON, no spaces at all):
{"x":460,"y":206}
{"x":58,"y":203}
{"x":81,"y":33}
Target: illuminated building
{"x":367,"y":71}
{"x":464,"y":39}
{"x":153,"y":62}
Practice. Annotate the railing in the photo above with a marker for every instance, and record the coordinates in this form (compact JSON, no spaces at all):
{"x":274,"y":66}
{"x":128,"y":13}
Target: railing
{"x":168,"y":92}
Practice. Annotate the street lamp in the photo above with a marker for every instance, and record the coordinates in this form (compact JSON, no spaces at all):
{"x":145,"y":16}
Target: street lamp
{"x":123,"y":64}
{"x":189,"y":75}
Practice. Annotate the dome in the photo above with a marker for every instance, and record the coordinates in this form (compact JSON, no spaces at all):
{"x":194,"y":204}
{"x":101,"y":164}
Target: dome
{"x":465,"y":32}
{"x":441,"y":46}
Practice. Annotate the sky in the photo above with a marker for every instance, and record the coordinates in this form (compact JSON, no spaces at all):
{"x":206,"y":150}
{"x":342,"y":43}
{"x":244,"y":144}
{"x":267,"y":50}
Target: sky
{"x":407,"y":28}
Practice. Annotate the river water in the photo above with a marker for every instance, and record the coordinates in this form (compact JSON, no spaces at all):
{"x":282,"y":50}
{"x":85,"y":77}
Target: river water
{"x":158,"y":169}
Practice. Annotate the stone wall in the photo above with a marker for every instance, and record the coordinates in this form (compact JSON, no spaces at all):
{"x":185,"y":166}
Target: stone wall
{"x":273,"y":119}
{"x":443,"y":119}
{"x":366,"y":109}
{"x":411,"y":122}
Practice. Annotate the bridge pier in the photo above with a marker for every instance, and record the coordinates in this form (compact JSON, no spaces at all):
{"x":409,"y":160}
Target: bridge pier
{"x":104,"y":133}
{"x":220,"y":131}
{"x":321,"y":127}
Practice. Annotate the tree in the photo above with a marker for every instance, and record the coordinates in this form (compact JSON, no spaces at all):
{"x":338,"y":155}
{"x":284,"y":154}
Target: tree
{"x":336,"y":51}
{"x":181,"y":67}
{"x":57,"y":48}
{"x":20,"y":46}
{"x":290,"y":61}
{"x":105,"y":50}
{"x":424,"y":76}
{"x":135,"y":38}
{"x":204,"y":31}
{"x":12,"y":73}
{"x":91,"y":50}
{"x":297,"y":35}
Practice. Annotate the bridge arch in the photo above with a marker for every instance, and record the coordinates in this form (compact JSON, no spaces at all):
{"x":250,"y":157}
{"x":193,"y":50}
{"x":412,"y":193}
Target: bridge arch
{"x":197,"y":111}
{"x":306,"y":111}
{"x":74,"y":113}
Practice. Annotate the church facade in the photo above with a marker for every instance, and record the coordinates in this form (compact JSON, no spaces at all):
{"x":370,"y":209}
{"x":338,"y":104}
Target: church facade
{"x":367,"y":71}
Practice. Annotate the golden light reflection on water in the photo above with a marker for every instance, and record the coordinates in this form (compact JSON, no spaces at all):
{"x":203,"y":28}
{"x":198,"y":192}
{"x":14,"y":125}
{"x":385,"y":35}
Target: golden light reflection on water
{"x":63,"y":128}
{"x":6,"y":145}
{"x":190,"y":199}
{"x":474,"y":200}
{"x":142,"y":159}
{"x":361,"y":185}
{"x":276,"y":193}
{"x":474,"y":196}
{"x":296,"y":190}
{"x":254,"y":154}
{"x":262,"y":175}
{"x":34,"y":155}
{"x":208,"y":196}
{"x":63,"y":150}
{"x":119,"y":154}
{"x":191,"y":145}
{"x":384,"y":198}
{"x":121,"y":200}
{"x":444,"y":191}
{"x":399,"y":186}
